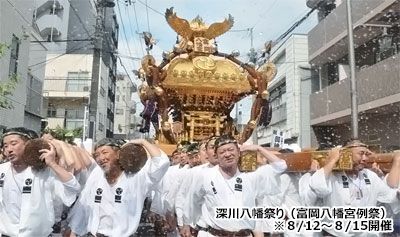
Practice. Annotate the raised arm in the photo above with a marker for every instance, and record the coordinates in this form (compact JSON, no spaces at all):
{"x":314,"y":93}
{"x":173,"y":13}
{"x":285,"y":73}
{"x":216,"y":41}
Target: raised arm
{"x":153,"y":150}
{"x":333,"y":157}
{"x":393,"y":178}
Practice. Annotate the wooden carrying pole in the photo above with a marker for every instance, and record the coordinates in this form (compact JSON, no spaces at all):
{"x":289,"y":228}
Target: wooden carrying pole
{"x":301,"y":161}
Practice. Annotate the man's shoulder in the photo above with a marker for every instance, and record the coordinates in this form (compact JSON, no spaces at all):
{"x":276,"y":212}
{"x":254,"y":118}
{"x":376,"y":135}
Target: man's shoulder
{"x":5,"y":165}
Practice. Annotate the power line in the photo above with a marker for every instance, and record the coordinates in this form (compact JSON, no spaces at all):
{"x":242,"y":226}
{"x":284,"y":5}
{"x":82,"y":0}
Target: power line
{"x":296,"y":24}
{"x":148,"y":21}
{"x":291,"y":29}
{"x":123,"y":29}
{"x":58,"y":56}
{"x":156,"y":11}
{"x":137,"y":27}
{"x":265,"y":12}
{"x":132,"y":31}
{"x":79,"y":18}
{"x":126,"y":71}
{"x":56,"y":41}
{"x":20,"y":13}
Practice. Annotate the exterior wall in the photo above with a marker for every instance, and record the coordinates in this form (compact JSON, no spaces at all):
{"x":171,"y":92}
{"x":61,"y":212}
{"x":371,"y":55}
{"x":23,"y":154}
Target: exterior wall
{"x":377,"y":75}
{"x":57,"y":93}
{"x":81,"y":27}
{"x":328,"y":39}
{"x":122,"y":122}
{"x":101,"y":118}
{"x":287,"y":118}
{"x":16,"y":13}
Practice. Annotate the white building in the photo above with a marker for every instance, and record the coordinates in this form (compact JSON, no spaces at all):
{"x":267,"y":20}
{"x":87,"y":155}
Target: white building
{"x":125,"y":108}
{"x":289,"y":93}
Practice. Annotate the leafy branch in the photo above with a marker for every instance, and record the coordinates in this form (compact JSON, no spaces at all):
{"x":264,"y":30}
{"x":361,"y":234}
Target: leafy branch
{"x":7,"y":87}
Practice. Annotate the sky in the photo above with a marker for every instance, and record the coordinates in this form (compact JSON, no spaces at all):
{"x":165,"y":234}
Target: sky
{"x":268,"y":18}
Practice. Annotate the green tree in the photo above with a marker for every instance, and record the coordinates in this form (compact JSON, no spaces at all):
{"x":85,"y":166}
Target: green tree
{"x":7,"y":87}
{"x":64,"y":134}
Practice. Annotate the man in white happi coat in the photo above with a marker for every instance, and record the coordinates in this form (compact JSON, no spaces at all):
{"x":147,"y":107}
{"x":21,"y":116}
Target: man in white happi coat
{"x":288,"y":197}
{"x":27,"y":196}
{"x":360,"y":187}
{"x":224,"y":186}
{"x":163,"y":203}
{"x":187,"y":226}
{"x":112,"y":201}
{"x":198,"y":156}
{"x":393,"y":180}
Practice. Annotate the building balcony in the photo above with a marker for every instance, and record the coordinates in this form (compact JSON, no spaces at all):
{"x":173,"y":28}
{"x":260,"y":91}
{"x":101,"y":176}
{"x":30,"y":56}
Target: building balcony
{"x":49,"y":25}
{"x":46,"y":6}
{"x":34,"y":102}
{"x":377,"y":86}
{"x":279,"y":114}
{"x":54,"y":122}
{"x":328,"y":40}
{"x":66,"y":87}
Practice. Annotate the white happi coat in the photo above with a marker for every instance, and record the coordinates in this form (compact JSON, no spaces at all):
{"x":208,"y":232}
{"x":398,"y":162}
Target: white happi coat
{"x":336,"y":190}
{"x":123,"y":202}
{"x":182,"y":202}
{"x":163,"y":200}
{"x":38,"y":198}
{"x":212,"y":189}
{"x":288,"y":198}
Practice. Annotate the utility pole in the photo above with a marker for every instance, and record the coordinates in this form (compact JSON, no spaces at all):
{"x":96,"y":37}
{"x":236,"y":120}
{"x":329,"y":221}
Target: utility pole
{"x":97,"y":50}
{"x":253,"y":59}
{"x":353,"y":82}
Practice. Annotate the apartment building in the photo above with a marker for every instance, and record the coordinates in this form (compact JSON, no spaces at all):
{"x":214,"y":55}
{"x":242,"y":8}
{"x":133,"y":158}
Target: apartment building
{"x":377,"y":48}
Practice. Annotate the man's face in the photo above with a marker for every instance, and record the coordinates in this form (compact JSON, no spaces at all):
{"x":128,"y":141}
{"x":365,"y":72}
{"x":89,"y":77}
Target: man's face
{"x":360,"y":157}
{"x":203,"y":154}
{"x":210,"y":150}
{"x":228,"y":155}
{"x":176,"y":158}
{"x":13,"y":147}
{"x":194,"y":160}
{"x":184,"y":158}
{"x":107,"y":158}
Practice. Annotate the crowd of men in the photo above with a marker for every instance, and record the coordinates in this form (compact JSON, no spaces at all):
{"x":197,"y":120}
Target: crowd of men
{"x":180,"y":194}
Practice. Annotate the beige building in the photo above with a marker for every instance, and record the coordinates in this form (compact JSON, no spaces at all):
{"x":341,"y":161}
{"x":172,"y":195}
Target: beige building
{"x":67,"y":91}
{"x":68,"y":79}
{"x":377,"y":52}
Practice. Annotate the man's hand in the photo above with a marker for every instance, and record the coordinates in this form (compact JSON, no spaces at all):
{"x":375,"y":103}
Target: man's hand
{"x":375,"y":168}
{"x":184,"y":231}
{"x":314,"y":165}
{"x":48,"y":156}
{"x":171,"y":221}
{"x":139,"y":141}
{"x":334,"y":155}
{"x":249,"y":147}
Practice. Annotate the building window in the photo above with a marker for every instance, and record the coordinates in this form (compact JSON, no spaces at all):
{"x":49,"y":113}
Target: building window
{"x":51,"y":112}
{"x":280,"y":59}
{"x":117,"y":98}
{"x":78,"y":81}
{"x":119,"y":111}
{"x":74,"y":113}
{"x":14,"y":49}
{"x":73,"y":123}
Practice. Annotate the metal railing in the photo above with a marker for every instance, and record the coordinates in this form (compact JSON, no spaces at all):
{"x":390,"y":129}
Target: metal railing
{"x":67,"y":85}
